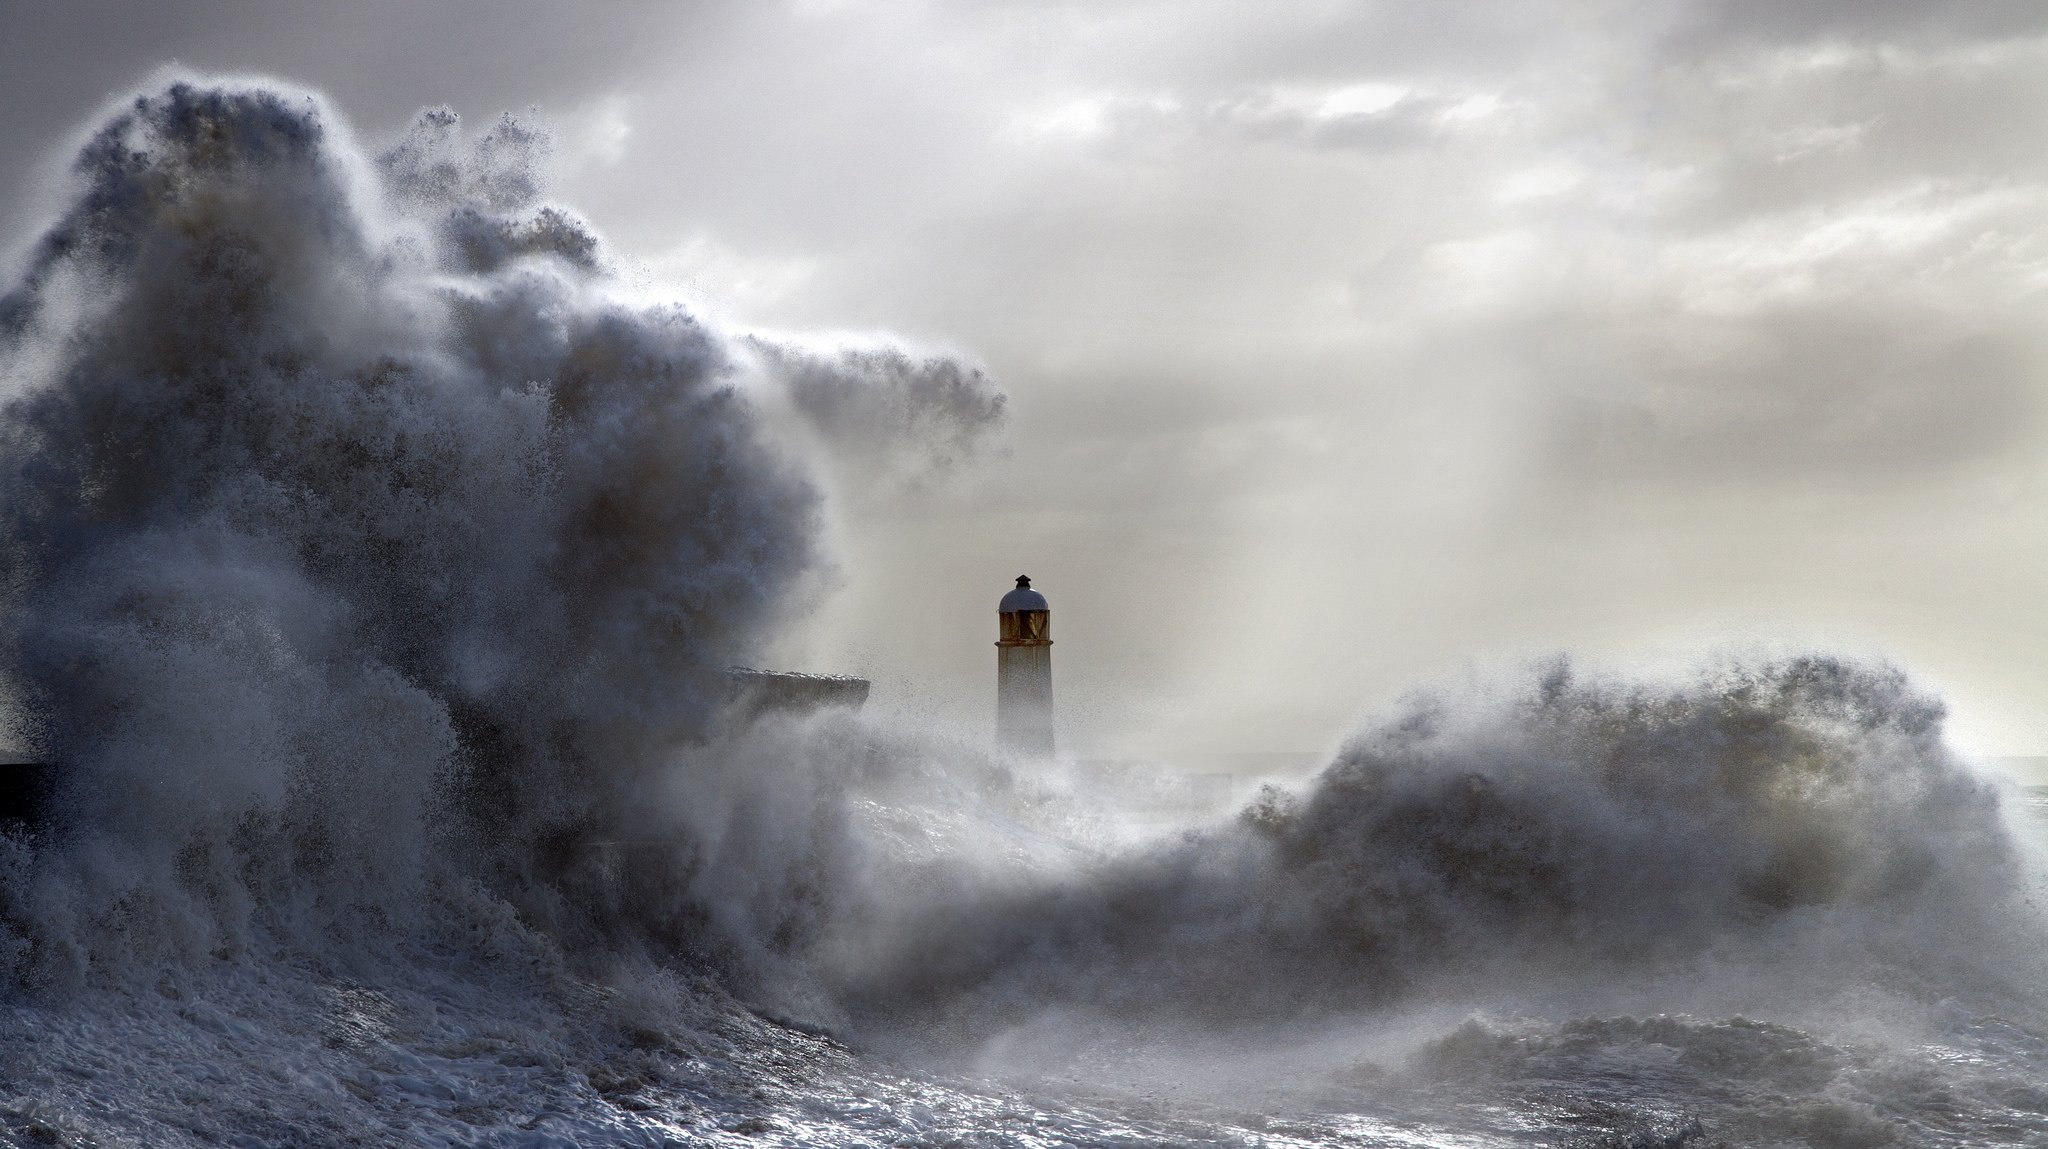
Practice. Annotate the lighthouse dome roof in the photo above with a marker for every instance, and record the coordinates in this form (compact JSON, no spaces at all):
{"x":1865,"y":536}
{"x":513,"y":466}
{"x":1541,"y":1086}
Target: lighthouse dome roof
{"x":1023,"y":598}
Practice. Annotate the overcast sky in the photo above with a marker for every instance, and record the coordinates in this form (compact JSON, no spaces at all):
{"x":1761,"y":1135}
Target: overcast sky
{"x":1349,"y":346}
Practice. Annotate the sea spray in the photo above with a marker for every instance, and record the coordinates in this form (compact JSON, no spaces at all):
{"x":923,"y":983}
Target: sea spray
{"x":1754,"y":838}
{"x":360,"y":537}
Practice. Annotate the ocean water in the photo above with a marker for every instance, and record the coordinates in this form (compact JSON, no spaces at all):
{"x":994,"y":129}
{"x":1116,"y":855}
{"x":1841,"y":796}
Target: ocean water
{"x":371,"y":559}
{"x":461,"y":1040}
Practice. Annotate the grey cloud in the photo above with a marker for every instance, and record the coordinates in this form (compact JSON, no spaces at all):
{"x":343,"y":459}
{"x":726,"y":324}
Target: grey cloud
{"x":1314,"y":116}
{"x":1829,"y":287}
{"x":1749,"y":22}
{"x":1407,"y":121}
{"x":381,"y":59}
{"x":1757,"y":134}
{"x":1811,"y":392}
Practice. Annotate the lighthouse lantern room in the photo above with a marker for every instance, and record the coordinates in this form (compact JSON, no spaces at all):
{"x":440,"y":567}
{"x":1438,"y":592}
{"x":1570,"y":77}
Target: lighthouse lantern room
{"x":1024,"y":672}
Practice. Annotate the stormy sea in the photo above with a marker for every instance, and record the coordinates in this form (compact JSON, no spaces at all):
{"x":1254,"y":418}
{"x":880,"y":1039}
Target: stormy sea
{"x":373,"y":554}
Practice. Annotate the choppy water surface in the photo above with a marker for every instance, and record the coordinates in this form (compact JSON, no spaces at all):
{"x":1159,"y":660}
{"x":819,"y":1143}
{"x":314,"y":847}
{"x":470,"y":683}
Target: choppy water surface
{"x":371,"y":560}
{"x":441,"y":1045}
{"x":292,"y":1056}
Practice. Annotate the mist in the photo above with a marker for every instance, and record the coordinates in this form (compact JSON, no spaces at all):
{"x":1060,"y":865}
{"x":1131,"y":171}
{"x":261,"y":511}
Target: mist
{"x":1599,"y":446}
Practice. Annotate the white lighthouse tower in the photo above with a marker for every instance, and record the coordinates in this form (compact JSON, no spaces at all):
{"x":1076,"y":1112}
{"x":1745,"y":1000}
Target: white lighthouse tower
{"x":1024,"y":672}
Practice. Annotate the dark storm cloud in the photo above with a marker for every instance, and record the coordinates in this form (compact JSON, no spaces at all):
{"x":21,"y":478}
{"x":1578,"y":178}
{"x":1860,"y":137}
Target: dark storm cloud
{"x":1750,"y":22}
{"x":382,"y":59}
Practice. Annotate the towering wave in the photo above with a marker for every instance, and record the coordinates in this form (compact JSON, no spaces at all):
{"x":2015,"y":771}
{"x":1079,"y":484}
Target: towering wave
{"x":354,"y":524}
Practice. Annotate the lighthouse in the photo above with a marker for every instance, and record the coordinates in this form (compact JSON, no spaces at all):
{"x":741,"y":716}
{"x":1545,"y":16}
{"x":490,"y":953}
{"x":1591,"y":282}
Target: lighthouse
{"x":1024,"y":672}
